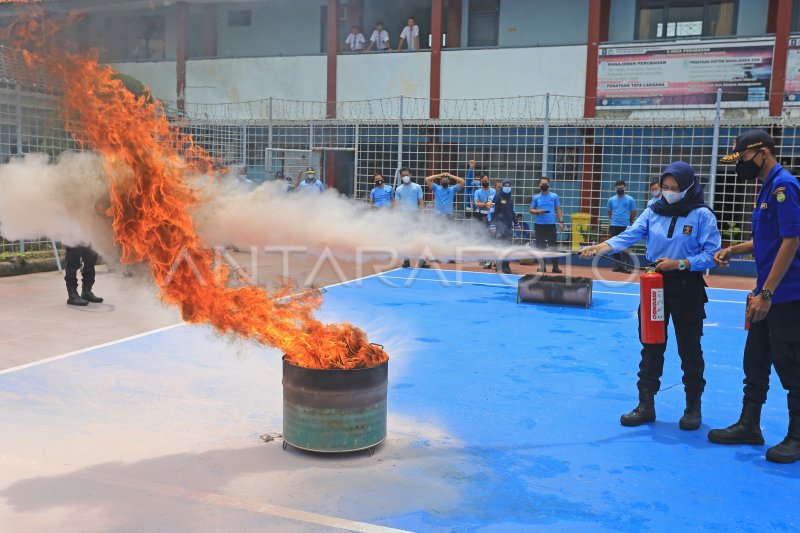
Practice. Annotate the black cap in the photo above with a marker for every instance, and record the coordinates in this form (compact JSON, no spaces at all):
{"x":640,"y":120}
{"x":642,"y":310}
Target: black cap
{"x":310,"y":171}
{"x":747,"y":141}
{"x":279,"y":174}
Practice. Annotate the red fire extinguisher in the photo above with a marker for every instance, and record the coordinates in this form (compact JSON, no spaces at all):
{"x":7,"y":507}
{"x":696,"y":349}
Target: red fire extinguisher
{"x":651,"y":287}
{"x":747,"y":322}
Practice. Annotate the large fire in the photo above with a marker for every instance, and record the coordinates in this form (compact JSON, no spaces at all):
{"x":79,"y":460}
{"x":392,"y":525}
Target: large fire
{"x":150,"y":164}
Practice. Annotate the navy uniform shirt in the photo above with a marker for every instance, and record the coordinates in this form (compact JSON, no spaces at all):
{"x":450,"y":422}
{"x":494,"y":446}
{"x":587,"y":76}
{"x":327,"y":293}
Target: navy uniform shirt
{"x":694,"y":237}
{"x":776,"y":216}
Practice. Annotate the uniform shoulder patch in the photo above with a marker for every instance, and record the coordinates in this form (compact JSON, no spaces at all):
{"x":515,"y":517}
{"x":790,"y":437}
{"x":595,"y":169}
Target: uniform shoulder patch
{"x":780,"y":197}
{"x":687,"y":230}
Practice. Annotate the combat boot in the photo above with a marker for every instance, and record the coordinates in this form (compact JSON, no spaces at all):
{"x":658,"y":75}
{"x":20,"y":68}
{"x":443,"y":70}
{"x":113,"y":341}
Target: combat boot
{"x":692,"y":417}
{"x":74,"y":298}
{"x":89,"y":296}
{"x":787,"y":451}
{"x":746,"y":431}
{"x":643,"y":413}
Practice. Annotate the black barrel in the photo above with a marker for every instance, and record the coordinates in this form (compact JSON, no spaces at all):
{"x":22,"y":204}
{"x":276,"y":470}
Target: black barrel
{"x":334,"y":410}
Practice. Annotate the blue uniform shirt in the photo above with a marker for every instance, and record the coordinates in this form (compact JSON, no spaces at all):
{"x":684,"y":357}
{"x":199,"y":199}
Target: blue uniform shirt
{"x":315,"y":186}
{"x":776,"y":216}
{"x":482,"y":196}
{"x":408,"y":196}
{"x":548,"y":202}
{"x":443,"y":198}
{"x":471,"y":185}
{"x":695,"y":237}
{"x":653,"y":200}
{"x":621,"y":208}
{"x":382,"y":196}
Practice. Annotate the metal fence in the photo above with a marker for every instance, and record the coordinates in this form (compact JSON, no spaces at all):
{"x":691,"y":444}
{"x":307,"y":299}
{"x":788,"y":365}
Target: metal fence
{"x":519,"y":139}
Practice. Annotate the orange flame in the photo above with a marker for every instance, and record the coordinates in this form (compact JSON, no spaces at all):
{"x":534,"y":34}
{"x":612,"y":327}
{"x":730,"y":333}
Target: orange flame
{"x":149,"y":162}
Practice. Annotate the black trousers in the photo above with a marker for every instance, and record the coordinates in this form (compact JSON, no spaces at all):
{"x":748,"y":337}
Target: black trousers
{"x":545,"y":236}
{"x":684,"y":303}
{"x":623,"y":256}
{"x":774,"y":341}
{"x":75,"y":256}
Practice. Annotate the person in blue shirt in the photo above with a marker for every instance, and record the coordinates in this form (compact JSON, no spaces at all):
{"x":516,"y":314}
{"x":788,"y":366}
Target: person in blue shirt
{"x":503,"y":218}
{"x":444,"y":192}
{"x":774,"y":311}
{"x":682,"y":238}
{"x":522,"y":230}
{"x":409,"y":198}
{"x":311,"y":184}
{"x":655,"y":192}
{"x":483,"y":197}
{"x":621,"y":213}
{"x":546,"y":207}
{"x":381,"y":195}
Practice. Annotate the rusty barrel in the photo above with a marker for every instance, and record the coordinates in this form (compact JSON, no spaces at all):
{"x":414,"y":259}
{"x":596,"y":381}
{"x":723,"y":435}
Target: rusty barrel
{"x":334,"y":410}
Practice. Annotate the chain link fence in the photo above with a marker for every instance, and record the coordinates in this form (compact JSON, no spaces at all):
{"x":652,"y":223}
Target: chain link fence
{"x":519,"y":139}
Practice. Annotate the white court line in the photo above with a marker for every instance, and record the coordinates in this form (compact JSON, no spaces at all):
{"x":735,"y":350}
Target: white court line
{"x":454,"y":282}
{"x":208,"y":497}
{"x":146,"y":333}
{"x":84,"y":350}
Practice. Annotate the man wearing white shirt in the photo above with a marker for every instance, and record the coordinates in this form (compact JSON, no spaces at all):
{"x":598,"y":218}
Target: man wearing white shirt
{"x":355,"y":40}
{"x":379,"y":39}
{"x":410,"y":35}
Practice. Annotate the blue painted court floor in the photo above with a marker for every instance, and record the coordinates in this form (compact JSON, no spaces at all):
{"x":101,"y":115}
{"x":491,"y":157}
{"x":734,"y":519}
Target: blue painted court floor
{"x":502,"y":417}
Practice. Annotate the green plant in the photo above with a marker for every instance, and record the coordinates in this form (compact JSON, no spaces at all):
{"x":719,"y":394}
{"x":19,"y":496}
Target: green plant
{"x":732,"y":233}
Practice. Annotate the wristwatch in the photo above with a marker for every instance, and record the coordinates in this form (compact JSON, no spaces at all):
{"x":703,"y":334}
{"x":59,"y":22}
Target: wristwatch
{"x":766,"y":295}
{"x":681,"y":265}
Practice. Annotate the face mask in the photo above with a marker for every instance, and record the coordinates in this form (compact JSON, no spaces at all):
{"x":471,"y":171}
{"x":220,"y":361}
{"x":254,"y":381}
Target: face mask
{"x":485,"y":184}
{"x":406,"y":179}
{"x":654,"y":194}
{"x":544,"y":188}
{"x":620,"y":191}
{"x":506,"y":190}
{"x":748,"y":170}
{"x":672,"y":197}
{"x":378,"y":183}
{"x":445,"y":184}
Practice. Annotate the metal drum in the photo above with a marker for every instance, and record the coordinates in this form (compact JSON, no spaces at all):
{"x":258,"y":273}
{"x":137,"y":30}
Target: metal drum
{"x":334,"y":411}
{"x":561,"y":290}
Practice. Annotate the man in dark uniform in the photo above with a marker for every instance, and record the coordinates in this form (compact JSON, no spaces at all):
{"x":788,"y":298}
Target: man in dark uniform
{"x":74,"y":256}
{"x":774,"y":311}
{"x":503,"y":218}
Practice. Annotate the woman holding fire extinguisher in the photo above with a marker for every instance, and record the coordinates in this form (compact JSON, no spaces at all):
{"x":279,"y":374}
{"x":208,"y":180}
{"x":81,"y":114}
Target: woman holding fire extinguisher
{"x":682,"y":236}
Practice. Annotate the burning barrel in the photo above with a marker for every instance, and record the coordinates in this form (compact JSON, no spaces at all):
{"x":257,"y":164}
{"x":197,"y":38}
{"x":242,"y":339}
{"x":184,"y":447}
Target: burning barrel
{"x":334,"y":410}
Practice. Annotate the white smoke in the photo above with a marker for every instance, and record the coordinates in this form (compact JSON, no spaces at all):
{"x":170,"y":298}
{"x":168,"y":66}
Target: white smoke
{"x":59,"y":201}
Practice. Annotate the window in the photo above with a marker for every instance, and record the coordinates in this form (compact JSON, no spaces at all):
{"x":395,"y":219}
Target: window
{"x":137,"y":38}
{"x":239,"y":18}
{"x":669,"y":19}
{"x":484,"y":22}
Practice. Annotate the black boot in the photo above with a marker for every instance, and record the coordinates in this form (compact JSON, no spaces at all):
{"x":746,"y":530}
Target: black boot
{"x":74,"y":298}
{"x":746,"y":431}
{"x":691,"y":418}
{"x":787,"y":451}
{"x":643,"y":413}
{"x":89,"y":296}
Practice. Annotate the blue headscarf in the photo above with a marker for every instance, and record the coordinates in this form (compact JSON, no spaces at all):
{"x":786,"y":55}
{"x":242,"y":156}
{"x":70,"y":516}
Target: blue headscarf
{"x":687,"y":181}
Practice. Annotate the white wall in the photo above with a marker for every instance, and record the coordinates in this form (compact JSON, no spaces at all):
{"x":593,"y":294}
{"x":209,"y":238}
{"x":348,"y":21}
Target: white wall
{"x":249,"y":79}
{"x":160,"y":77}
{"x":383,"y":75}
{"x":514,"y":72}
